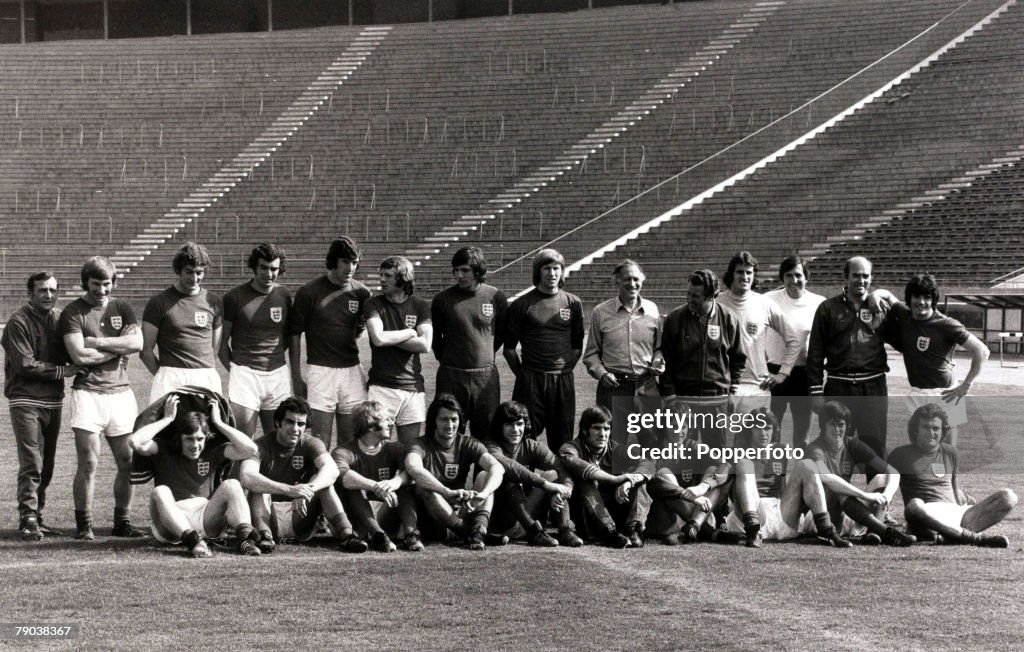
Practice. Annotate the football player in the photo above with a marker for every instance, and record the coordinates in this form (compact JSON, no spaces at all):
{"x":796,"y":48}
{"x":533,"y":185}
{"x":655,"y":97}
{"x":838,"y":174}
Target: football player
{"x":535,"y":481}
{"x":936,"y":508}
{"x":253,"y":341}
{"x":440,"y":463}
{"x":100,"y":332}
{"x":399,"y":327}
{"x":372,"y":470}
{"x":291,"y":482}
{"x":184,"y":506}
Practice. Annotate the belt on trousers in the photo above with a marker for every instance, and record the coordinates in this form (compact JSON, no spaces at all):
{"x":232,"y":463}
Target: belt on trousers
{"x":857,"y":379}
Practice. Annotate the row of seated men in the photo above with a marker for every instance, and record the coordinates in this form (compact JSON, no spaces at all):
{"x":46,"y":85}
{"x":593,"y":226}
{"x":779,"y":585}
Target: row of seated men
{"x":377,"y":493}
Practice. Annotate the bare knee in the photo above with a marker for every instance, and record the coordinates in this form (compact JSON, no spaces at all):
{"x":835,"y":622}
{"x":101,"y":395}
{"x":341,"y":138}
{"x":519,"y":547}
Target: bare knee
{"x":915,"y":508}
{"x":1007,"y":497}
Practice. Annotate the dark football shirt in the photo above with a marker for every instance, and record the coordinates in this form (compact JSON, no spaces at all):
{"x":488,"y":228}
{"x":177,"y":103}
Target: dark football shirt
{"x":110,"y":320}
{"x":549,"y":326}
{"x":854,"y":456}
{"x":289,"y":465}
{"x":450,"y":466}
{"x":927,"y":345}
{"x":926,"y":476}
{"x":259,"y":326}
{"x":185,"y":326}
{"x":468,"y":326}
{"x":393,"y":366}
{"x":187,"y":478}
{"x":331,"y":316}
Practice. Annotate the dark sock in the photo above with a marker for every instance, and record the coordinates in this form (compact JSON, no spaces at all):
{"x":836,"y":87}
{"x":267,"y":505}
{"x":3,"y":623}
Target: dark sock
{"x":751,"y":524}
{"x":121,"y":516}
{"x":824,"y":524}
{"x":479,"y":520}
{"x":859,"y":512}
{"x":966,"y":536}
{"x":341,"y":526}
{"x":190,"y":538}
{"x":83,"y":519}
{"x":243,"y":531}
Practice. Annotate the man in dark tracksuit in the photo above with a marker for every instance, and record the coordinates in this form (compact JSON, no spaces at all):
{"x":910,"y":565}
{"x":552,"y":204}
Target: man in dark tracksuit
{"x":704,"y":359}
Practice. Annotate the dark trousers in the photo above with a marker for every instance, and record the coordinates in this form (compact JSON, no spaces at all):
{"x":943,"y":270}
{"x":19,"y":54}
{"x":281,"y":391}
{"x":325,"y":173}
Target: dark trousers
{"x":478,"y":392}
{"x":631,"y":396}
{"x":551,"y":400}
{"x":35,"y":430}
{"x":596,"y":512}
{"x":869,"y":403}
{"x":514,"y":503}
{"x":794,"y":394}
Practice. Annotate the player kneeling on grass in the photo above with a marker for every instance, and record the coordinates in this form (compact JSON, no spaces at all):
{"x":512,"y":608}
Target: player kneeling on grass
{"x":770,"y":495}
{"x":371,"y":469}
{"x":535,"y":483}
{"x":183,"y":506}
{"x":685,"y":493}
{"x":440,"y":462}
{"x":291,"y":482}
{"x":605,"y":504}
{"x":838,"y":457}
{"x":934,"y":503}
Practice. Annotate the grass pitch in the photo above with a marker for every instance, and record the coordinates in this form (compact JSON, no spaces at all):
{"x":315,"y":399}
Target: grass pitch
{"x":797,"y":595}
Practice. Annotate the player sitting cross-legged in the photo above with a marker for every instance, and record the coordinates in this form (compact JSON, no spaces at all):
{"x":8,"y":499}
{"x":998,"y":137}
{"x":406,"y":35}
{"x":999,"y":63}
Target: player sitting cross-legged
{"x":770,"y":495}
{"x":935,"y":505}
{"x":371,"y":470}
{"x":535,"y":483}
{"x":184,"y":506}
{"x":838,"y":457}
{"x":440,"y":463}
{"x":291,"y":482}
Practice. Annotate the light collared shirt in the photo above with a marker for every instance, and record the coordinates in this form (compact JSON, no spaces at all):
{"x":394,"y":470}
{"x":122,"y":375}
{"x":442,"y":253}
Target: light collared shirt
{"x":622,"y":341}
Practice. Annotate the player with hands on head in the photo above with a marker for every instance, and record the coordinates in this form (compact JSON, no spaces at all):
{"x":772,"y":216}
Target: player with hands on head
{"x":184,"y":506}
{"x":291,"y":483}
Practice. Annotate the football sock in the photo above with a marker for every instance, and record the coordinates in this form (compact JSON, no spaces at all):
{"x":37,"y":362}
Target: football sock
{"x":83,"y":519}
{"x":121,"y":515}
{"x":190,"y":538}
{"x":967,"y":536}
{"x":860,"y":512}
{"x":243,"y":531}
{"x":751,"y":523}
{"x":823,"y":523}
{"x":479,"y":520}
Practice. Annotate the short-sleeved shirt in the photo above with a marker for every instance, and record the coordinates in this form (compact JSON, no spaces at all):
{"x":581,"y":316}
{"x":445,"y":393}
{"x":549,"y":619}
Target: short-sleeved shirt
{"x":928,"y":476}
{"x":185,"y":326}
{"x":927,"y":345}
{"x":450,"y":466}
{"x":521,"y":463}
{"x":259,"y":326}
{"x":854,"y":456}
{"x":550,"y":327}
{"x":110,"y":320}
{"x":393,"y":366}
{"x":331,"y":316}
{"x":289,"y":465}
{"x":187,"y":478}
{"x":468,"y":325}
{"x":388,"y":461}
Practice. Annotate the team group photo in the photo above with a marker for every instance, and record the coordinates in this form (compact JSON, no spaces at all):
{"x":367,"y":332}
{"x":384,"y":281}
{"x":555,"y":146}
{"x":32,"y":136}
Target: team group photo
{"x":568,"y":325}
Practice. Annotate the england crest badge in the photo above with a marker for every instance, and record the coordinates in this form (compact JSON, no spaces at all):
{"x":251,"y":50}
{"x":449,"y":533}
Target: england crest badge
{"x":276,"y":314}
{"x":487,"y":309}
{"x":383,"y":473}
{"x":202,"y":467}
{"x":714,"y":331}
{"x":564,"y":313}
{"x":410,"y":321}
{"x":938,"y":469}
{"x":751,"y":328}
{"x":353,"y":307}
{"x":686,"y":476}
{"x":298,"y":462}
{"x":777,"y":468}
{"x":451,"y":471}
{"x":923,"y":343}
{"x":116,"y":322}
{"x":865,"y":315}
{"x":202,"y":319}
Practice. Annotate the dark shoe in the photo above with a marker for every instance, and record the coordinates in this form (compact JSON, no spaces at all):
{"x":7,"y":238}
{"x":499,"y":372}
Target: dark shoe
{"x":29,"y":528}
{"x":894,"y":537}
{"x":832,"y":538}
{"x":249,"y":548}
{"x":871,"y":539}
{"x":85,"y":534}
{"x":381,"y":543}
{"x":412,"y":542}
{"x":266,"y":543}
{"x":542,"y":539}
{"x":495,"y":539}
{"x":569,"y":539}
{"x":755,"y":541}
{"x":125,"y":530}
{"x":636,"y":537}
{"x":200,"y":550}
{"x":615,"y":539}
{"x":352,"y":543}
{"x":993,"y":541}
{"x":475,"y":541}
{"x":690,"y":533}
